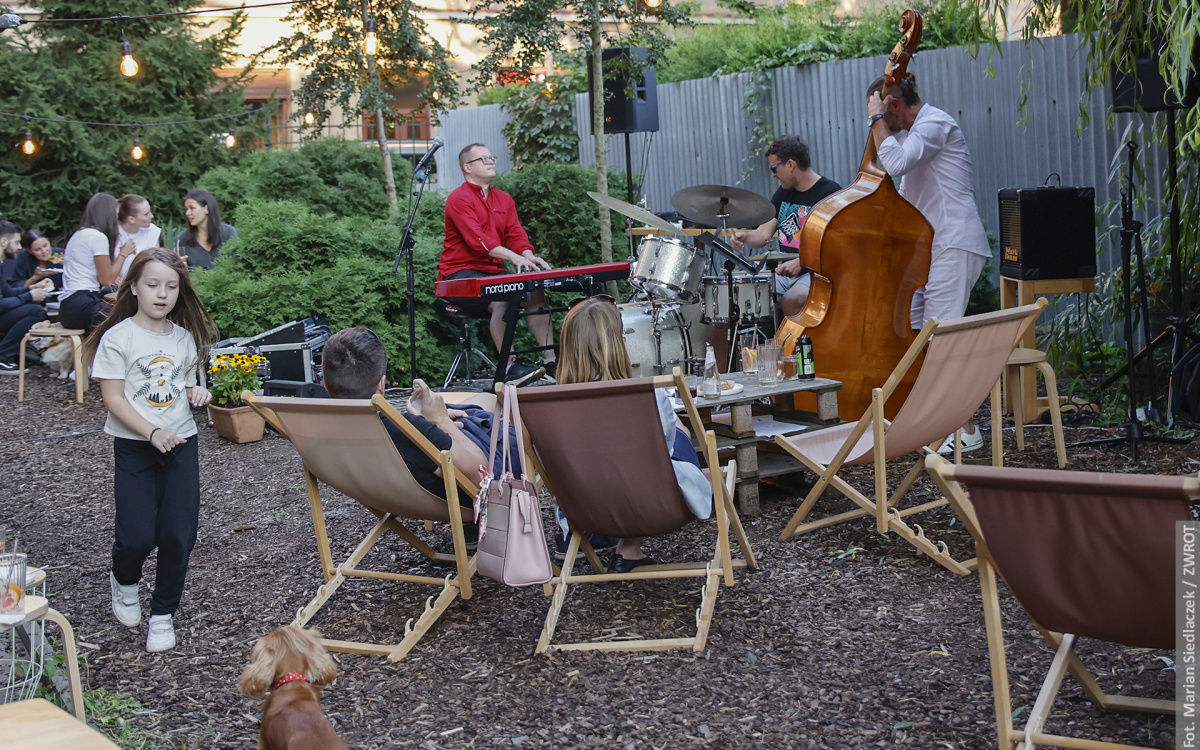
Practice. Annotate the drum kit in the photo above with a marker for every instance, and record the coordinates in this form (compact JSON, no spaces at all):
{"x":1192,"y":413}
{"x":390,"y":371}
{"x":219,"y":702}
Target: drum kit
{"x":690,"y":288}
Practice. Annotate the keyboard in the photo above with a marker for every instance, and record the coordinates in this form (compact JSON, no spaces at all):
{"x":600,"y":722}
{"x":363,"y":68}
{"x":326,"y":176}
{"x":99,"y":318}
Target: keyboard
{"x":506,"y":285}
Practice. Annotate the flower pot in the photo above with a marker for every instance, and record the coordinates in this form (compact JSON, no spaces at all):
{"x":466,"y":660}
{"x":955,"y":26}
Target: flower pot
{"x":239,"y":424}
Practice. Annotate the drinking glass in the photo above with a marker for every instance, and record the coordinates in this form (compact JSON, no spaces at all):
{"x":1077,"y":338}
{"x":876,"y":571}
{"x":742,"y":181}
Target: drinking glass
{"x":748,"y":343}
{"x":770,"y":370}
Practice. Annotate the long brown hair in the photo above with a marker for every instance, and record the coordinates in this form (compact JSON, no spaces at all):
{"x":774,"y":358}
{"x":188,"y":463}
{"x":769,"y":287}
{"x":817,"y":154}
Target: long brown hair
{"x":592,"y":345}
{"x":188,"y":313}
{"x":101,"y":215}
{"x":212,"y":223}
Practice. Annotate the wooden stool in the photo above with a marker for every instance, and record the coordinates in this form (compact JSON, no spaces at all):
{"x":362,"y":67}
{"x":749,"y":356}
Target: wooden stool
{"x":1022,"y":357}
{"x":38,"y":608}
{"x":76,"y":337}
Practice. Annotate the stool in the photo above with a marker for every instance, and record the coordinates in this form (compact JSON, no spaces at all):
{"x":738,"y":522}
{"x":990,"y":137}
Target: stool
{"x":38,"y":608}
{"x":76,"y":337}
{"x":467,"y":346}
{"x":1022,"y":357}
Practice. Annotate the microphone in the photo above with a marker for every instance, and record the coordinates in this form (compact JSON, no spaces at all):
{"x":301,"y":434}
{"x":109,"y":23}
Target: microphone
{"x":437,"y":143}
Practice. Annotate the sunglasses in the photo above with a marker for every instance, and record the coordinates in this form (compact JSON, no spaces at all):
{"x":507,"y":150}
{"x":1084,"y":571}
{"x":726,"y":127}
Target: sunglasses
{"x":484,"y":159}
{"x":602,"y":297}
{"x":777,"y":165}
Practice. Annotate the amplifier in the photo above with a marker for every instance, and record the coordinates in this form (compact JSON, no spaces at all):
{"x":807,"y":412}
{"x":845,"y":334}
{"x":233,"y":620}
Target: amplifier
{"x":294,"y":388}
{"x":1048,"y":233}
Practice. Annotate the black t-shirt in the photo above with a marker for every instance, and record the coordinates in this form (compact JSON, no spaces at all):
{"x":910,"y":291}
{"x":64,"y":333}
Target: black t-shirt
{"x":421,"y":465}
{"x":792,"y":207}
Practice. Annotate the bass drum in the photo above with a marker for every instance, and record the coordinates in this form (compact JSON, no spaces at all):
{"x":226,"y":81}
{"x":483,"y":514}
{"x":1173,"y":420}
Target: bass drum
{"x":660,"y":337}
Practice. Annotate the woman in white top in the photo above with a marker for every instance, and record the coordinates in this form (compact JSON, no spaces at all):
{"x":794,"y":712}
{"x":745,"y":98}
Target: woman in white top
{"x":136,"y":225}
{"x":91,"y":263}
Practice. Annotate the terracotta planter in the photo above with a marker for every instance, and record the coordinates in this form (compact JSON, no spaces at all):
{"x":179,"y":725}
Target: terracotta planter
{"x":238,"y":425}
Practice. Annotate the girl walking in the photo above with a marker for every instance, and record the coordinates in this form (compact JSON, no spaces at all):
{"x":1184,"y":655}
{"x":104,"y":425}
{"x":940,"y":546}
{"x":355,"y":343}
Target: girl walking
{"x":146,"y":355}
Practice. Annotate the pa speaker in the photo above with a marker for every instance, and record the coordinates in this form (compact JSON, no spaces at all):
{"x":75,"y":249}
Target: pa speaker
{"x":1048,"y":233}
{"x":630,"y":90}
{"x":1146,"y":89}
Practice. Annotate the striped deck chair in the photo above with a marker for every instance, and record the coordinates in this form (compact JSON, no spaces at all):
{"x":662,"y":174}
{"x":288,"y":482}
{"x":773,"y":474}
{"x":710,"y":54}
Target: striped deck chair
{"x":599,"y":448}
{"x":344,"y":444}
{"x":964,"y":359}
{"x":1086,"y":555}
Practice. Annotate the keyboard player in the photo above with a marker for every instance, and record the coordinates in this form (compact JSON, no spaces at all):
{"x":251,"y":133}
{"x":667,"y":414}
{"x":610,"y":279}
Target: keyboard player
{"x":482,"y":232}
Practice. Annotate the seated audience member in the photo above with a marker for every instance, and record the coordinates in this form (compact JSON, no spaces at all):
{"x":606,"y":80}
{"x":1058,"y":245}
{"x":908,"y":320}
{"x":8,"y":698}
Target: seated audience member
{"x":592,"y":348}
{"x":34,"y":264}
{"x":20,"y":309}
{"x":201,"y":242}
{"x":91,"y":262}
{"x":10,"y":244}
{"x":136,"y":225}
{"x":354,"y":363}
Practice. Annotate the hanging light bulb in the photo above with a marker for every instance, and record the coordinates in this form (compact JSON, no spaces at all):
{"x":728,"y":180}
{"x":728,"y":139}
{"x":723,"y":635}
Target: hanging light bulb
{"x":653,"y":3}
{"x":309,"y":118}
{"x":28,"y":146}
{"x":230,"y":139}
{"x":129,"y":66}
{"x":138,"y":152}
{"x":371,"y":41}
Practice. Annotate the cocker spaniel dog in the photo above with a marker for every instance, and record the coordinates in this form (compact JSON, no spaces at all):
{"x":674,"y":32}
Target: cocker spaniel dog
{"x":292,"y":664}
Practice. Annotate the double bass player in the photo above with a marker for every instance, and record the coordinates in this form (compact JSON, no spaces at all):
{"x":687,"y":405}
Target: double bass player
{"x":924,"y":147}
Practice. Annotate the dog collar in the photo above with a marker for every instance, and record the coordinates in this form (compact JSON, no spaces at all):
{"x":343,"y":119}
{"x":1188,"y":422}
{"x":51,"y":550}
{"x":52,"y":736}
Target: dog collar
{"x":289,"y":677}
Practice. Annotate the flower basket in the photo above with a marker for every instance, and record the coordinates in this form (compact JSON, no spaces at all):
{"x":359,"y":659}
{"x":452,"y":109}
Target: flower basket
{"x":239,"y":424}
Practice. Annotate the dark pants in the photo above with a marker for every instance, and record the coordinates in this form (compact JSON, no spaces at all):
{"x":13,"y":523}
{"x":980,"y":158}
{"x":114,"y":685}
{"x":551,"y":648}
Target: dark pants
{"x":158,"y":505}
{"x":14,"y":324}
{"x":84,"y":310}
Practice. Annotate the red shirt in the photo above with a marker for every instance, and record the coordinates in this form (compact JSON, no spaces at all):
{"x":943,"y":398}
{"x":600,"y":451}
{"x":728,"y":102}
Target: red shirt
{"x":475,"y":225}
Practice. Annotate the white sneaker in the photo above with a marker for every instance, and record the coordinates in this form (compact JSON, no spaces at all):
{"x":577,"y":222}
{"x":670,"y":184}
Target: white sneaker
{"x":162,"y":633}
{"x":125,"y":603}
{"x":971,"y":441}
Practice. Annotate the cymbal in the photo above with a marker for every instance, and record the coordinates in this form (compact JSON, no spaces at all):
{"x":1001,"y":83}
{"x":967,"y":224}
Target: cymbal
{"x":772,"y":257}
{"x":634,"y":212}
{"x":723,"y":205}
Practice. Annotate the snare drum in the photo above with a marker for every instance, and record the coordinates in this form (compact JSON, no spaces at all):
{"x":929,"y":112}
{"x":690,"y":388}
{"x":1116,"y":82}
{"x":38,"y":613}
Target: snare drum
{"x":660,"y":337}
{"x":752,"y":292}
{"x":669,"y":268}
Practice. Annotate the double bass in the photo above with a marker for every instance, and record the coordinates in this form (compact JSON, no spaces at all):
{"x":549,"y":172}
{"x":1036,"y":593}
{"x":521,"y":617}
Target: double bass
{"x":867,"y":250}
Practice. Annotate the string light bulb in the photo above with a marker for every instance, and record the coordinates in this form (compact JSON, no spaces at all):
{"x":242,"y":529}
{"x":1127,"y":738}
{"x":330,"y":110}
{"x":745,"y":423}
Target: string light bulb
{"x":138,"y":152}
{"x":230,"y":139}
{"x":129,"y":66}
{"x":28,"y":146}
{"x":371,"y":41}
{"x":653,"y":3}
{"x":309,"y":118}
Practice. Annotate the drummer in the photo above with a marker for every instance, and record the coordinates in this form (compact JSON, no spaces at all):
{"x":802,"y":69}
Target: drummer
{"x":800,"y":188}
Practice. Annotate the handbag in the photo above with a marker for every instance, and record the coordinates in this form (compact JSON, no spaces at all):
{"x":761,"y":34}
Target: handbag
{"x":512,"y":544}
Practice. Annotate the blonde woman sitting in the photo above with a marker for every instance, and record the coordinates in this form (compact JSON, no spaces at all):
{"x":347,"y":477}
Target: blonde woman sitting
{"x":592,"y":348}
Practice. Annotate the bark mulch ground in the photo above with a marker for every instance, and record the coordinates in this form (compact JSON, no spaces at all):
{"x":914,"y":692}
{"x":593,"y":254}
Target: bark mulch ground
{"x":843,"y":639}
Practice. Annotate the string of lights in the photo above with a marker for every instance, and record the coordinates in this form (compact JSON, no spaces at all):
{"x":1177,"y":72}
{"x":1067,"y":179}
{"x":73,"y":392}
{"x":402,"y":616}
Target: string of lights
{"x":12,"y":20}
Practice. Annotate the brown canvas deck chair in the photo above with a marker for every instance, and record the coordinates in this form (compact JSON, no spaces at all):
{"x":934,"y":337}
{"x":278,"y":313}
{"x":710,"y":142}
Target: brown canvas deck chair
{"x":963,"y":363}
{"x":344,"y":444}
{"x":600,"y":449}
{"x":1087,"y":555}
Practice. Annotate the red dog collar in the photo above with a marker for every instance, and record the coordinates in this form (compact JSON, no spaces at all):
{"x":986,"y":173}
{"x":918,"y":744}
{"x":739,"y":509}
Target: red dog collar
{"x":289,"y":677}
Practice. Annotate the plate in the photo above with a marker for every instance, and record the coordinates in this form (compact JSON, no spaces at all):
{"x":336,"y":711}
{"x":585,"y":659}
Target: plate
{"x":737,"y":388}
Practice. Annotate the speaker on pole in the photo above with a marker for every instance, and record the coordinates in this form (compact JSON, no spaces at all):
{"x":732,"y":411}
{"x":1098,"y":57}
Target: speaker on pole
{"x":1145,"y":87}
{"x":630,"y":90}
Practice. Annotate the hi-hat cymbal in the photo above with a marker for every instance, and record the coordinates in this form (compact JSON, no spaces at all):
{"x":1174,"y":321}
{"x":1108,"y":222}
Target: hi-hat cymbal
{"x":721,"y":205}
{"x":635,"y":212}
{"x":773,"y":257}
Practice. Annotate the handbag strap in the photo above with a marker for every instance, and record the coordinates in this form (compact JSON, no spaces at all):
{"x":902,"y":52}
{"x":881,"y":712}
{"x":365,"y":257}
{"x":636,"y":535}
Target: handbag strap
{"x":511,"y":403}
{"x":497,"y":425}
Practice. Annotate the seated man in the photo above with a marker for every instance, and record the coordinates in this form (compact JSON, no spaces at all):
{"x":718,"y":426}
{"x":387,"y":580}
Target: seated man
{"x":20,"y":309}
{"x":482,"y":231}
{"x":800,"y":188}
{"x":354,"y":364}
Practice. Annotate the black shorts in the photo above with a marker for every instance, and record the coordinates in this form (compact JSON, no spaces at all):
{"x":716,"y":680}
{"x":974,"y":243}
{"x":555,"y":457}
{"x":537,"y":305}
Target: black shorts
{"x":475,"y":307}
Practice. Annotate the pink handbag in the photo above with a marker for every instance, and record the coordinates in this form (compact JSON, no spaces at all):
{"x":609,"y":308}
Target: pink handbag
{"x":512,"y":544}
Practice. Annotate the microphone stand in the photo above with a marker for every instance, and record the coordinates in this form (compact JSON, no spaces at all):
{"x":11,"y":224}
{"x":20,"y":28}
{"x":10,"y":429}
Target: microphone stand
{"x":407,"y":243}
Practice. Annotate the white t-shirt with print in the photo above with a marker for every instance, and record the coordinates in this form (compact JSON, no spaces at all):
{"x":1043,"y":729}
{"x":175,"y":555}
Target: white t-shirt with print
{"x":156,"y":368}
{"x":143,"y":239}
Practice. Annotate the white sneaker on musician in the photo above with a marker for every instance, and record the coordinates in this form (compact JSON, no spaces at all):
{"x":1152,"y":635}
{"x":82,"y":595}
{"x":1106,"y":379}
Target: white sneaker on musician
{"x":971,"y":441}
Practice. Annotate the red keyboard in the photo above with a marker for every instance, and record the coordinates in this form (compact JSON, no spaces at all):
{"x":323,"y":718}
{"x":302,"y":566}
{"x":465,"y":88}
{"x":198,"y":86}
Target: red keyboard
{"x":508,"y":284}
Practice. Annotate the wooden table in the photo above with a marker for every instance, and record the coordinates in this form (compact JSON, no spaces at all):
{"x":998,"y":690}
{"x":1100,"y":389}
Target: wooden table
{"x":39,"y":724}
{"x":1017,"y":292}
{"x":739,"y":433}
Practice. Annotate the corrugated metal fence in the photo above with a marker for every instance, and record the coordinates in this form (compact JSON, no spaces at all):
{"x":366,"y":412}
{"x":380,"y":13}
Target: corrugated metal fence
{"x":705,"y":131}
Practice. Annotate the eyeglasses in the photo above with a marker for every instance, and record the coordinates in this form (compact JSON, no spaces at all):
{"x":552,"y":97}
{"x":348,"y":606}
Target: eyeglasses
{"x":484,"y":159}
{"x":777,"y":165}
{"x":602,"y":297}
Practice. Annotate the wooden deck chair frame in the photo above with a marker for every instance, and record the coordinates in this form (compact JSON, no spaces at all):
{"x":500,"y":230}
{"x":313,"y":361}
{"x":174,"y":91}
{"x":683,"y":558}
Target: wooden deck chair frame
{"x":452,"y":586}
{"x":1063,"y":644}
{"x":888,"y":515}
{"x":720,"y":566}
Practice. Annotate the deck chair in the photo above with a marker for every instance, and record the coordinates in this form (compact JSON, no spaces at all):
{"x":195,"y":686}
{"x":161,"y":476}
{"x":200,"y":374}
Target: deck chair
{"x":344,"y":444}
{"x":963,"y":363}
{"x":1087,"y":555}
{"x":600,"y":449}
